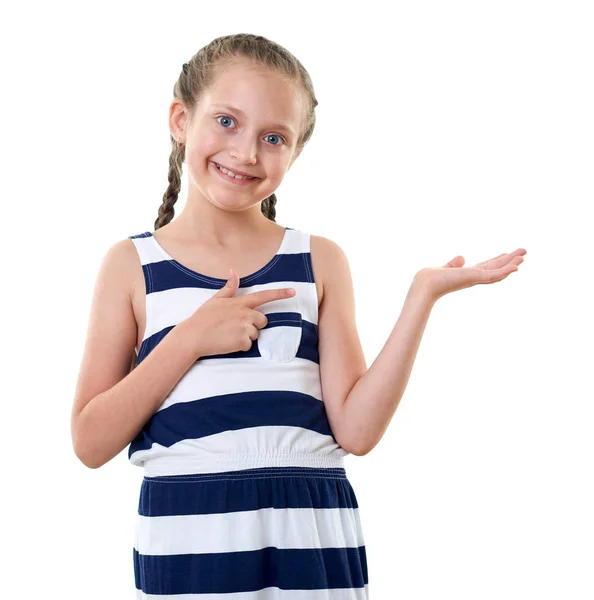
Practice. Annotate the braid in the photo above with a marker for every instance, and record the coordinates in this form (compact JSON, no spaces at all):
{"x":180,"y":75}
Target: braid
{"x":166,"y":210}
{"x":268,"y":207}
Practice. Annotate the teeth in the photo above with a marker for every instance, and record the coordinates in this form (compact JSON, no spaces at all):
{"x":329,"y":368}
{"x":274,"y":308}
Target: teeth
{"x":232,"y":174}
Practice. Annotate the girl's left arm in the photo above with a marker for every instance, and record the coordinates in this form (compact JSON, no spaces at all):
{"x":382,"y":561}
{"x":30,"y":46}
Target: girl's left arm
{"x":372,"y":402}
{"x":361,"y":402}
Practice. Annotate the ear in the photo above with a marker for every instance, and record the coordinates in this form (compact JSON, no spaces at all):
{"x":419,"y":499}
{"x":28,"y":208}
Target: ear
{"x":177,"y":120}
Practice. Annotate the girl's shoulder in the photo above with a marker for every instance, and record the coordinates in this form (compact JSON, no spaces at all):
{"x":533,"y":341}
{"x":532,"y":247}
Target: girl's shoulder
{"x":326,"y":257}
{"x":122,"y":263}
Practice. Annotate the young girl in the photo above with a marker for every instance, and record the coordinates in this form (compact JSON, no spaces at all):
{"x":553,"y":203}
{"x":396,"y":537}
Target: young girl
{"x":245,"y":492}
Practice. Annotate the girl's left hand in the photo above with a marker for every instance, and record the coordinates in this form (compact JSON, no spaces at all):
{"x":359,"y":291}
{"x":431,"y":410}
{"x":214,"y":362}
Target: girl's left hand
{"x":452,"y":276}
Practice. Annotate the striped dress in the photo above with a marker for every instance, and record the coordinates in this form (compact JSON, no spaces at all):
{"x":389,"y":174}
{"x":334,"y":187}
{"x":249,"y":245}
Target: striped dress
{"x":244,"y":494}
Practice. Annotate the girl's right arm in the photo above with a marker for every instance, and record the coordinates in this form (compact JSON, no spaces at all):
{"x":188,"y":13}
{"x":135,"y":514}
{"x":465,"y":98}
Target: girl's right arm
{"x":112,"y":404}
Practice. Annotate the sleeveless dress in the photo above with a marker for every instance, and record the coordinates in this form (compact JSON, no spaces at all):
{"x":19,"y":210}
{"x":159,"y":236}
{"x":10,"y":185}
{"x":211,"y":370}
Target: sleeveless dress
{"x":244,"y":495}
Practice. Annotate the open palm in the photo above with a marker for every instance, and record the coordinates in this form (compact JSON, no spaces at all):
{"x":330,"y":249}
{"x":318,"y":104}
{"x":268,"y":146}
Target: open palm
{"x":454,"y":276}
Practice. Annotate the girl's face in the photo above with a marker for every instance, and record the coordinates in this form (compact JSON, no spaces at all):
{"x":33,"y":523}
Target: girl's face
{"x":249,"y":120}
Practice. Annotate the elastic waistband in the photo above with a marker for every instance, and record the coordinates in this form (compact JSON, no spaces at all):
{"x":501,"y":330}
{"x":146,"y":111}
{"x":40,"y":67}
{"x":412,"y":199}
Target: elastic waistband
{"x":263,"y":473}
{"x":224,"y":463}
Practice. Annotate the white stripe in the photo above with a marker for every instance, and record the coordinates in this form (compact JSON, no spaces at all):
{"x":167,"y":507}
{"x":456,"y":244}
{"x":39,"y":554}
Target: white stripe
{"x":248,"y":530}
{"x":148,"y":250}
{"x":215,"y":376}
{"x":250,"y":448}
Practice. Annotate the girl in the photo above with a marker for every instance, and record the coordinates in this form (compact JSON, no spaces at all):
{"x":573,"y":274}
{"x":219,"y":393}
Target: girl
{"x":244,"y":491}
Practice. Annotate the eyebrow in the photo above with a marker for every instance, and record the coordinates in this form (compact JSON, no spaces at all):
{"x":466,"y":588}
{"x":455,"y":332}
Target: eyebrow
{"x":284,"y":126}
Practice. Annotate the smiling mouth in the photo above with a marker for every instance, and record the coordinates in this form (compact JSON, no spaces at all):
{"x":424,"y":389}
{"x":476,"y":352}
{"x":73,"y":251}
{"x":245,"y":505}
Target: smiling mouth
{"x":248,"y":177}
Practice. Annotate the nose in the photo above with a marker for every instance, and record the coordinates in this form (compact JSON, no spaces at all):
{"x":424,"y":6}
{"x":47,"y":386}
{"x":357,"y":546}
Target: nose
{"x":243,"y":149}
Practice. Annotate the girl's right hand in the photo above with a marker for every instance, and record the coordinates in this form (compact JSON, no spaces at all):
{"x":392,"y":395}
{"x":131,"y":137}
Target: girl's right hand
{"x":228,"y":323}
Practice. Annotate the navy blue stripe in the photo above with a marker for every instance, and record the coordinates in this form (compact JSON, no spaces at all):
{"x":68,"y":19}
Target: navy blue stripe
{"x":168,"y":274}
{"x":246,"y":489}
{"x":230,"y":412}
{"x":283,"y":319}
{"x":229,"y":572}
{"x":308,"y":348}
{"x":147,"y":279}
{"x":151,"y":342}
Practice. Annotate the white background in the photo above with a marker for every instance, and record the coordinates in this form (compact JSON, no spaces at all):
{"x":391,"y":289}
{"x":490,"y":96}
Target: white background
{"x":443,"y":128}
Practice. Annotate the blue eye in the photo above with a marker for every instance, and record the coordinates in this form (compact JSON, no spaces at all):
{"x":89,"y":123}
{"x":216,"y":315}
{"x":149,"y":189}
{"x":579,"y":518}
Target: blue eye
{"x":271,"y":135}
{"x":224,"y":118}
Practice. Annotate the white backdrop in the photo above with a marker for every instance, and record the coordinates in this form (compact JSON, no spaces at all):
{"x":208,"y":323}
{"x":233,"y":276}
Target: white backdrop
{"x":443,"y":128}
